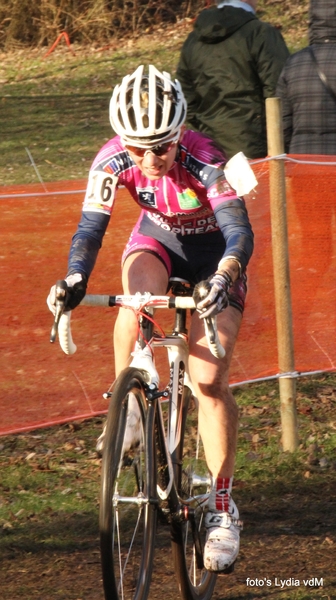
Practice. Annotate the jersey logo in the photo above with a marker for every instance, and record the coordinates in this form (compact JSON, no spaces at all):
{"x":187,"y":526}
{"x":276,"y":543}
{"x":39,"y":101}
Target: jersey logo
{"x":147,"y":197}
{"x":188,"y":199}
{"x":119,"y":163}
{"x":206,"y":174}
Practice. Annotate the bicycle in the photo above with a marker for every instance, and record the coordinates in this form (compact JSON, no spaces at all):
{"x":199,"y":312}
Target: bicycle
{"x":165,"y":475}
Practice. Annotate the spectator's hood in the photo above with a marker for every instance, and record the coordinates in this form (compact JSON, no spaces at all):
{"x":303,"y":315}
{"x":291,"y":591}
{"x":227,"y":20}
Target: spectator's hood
{"x":215,"y":24}
{"x":322,"y":21}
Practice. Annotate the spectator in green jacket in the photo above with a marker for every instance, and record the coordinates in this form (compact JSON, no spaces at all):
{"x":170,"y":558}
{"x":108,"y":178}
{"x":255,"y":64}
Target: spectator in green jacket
{"x":229,"y":64}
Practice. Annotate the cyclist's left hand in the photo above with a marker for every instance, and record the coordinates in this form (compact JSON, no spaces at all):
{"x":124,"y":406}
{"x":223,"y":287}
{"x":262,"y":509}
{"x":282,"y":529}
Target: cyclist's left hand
{"x":216,"y":299}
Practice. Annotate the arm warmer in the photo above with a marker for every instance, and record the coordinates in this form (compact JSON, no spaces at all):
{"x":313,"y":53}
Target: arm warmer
{"x":87,"y":242}
{"x":235,"y":226}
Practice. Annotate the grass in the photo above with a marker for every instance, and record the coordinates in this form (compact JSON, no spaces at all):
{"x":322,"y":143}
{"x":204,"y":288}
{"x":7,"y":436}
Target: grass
{"x":47,"y":471}
{"x":260,"y":430}
{"x":57,"y":107}
{"x":58,"y":469}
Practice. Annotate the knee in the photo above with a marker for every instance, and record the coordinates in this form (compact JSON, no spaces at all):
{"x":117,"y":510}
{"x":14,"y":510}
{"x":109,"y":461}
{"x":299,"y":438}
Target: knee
{"x":219,"y":392}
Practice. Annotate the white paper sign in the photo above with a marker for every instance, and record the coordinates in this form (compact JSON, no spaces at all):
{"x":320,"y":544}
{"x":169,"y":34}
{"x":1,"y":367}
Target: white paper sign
{"x":239,"y":174}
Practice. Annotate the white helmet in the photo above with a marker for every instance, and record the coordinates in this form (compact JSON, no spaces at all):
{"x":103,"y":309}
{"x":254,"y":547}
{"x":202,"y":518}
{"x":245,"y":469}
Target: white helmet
{"x":148,"y":109}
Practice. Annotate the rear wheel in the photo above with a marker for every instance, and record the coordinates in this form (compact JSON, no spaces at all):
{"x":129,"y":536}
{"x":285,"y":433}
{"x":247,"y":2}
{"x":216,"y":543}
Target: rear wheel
{"x":188,"y":535}
{"x":127,"y":517}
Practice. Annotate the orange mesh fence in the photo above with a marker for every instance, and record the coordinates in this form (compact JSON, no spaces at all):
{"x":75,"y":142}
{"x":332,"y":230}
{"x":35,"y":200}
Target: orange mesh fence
{"x":41,"y":386}
{"x":310,"y":191}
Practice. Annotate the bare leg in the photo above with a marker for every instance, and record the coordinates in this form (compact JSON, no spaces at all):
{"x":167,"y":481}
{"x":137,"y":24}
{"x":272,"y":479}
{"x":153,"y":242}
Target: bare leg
{"x":218,"y":425}
{"x":218,"y":412}
{"x":142,"y":272}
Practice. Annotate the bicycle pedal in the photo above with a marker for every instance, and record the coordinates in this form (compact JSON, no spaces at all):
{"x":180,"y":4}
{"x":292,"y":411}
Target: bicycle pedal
{"x":164,"y":516}
{"x":154,"y":393}
{"x":127,"y":460}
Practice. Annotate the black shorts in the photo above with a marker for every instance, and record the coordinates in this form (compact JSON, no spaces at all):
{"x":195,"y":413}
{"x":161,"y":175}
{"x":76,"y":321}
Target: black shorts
{"x":191,"y":257}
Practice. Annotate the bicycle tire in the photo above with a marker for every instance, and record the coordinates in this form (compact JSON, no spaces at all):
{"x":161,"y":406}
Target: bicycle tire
{"x":195,"y":582}
{"x":128,"y":515}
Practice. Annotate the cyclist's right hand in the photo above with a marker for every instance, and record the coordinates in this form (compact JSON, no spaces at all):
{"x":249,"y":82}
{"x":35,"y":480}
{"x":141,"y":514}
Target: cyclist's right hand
{"x":75,"y":292}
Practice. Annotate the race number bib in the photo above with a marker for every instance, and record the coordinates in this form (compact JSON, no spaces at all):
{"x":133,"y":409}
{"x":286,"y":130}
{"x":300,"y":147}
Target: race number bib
{"x":100,"y":192}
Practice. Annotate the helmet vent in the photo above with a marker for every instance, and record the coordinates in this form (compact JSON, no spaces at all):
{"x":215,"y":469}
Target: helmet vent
{"x":147,"y":107}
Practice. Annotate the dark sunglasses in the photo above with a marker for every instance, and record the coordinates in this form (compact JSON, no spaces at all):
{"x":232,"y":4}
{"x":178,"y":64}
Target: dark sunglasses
{"x":157,"y":150}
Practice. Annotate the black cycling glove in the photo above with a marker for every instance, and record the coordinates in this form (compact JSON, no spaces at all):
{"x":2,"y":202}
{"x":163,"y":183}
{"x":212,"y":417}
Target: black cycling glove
{"x":211,"y":296}
{"x":76,"y":290}
{"x":74,"y":294}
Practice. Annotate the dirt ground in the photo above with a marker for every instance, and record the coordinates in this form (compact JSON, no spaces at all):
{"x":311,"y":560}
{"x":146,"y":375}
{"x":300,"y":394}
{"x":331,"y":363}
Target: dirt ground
{"x":288,"y":544}
{"x":279,"y":543}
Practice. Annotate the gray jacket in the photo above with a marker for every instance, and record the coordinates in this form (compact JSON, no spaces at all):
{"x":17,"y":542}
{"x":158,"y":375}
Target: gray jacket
{"x":309,"y":110}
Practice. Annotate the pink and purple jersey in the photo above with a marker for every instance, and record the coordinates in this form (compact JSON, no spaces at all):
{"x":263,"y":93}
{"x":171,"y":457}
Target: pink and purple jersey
{"x":183,"y":201}
{"x":193,"y":202}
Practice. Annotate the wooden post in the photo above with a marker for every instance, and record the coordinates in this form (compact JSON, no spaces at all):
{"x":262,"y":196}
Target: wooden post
{"x":283,"y":307}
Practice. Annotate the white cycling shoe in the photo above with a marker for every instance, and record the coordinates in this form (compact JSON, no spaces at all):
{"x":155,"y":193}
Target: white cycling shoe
{"x":133,"y":428}
{"x":133,"y":424}
{"x":143,"y":359}
{"x":222,"y":541}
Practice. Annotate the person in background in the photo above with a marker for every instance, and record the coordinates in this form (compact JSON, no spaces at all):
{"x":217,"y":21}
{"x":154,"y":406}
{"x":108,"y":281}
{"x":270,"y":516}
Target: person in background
{"x":229,"y":64}
{"x":192,"y":226}
{"x":309,"y":126}
{"x":309,"y":102}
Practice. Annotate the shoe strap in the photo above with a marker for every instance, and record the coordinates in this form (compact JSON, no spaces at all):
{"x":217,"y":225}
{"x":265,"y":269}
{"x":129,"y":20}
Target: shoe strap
{"x":224,"y":520}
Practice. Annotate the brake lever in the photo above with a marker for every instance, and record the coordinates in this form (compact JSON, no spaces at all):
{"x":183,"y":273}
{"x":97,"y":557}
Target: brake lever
{"x":60,"y":296}
{"x":211,"y":329}
{"x":215,"y":346}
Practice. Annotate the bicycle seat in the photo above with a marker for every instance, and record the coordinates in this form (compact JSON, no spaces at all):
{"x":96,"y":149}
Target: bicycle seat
{"x":180,"y":287}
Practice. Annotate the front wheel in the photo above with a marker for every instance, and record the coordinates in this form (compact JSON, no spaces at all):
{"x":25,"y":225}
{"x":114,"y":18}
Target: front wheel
{"x":127,"y":517}
{"x":193,"y":484}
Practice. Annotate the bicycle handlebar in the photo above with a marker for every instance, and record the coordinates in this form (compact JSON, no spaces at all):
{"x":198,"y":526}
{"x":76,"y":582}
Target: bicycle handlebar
{"x":137,"y":302}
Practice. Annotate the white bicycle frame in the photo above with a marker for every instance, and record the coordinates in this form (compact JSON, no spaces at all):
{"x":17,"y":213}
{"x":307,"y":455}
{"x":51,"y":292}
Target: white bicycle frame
{"x":178,"y":353}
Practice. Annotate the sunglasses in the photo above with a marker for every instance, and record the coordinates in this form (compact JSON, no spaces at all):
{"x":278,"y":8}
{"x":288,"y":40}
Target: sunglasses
{"x":157,"y":150}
